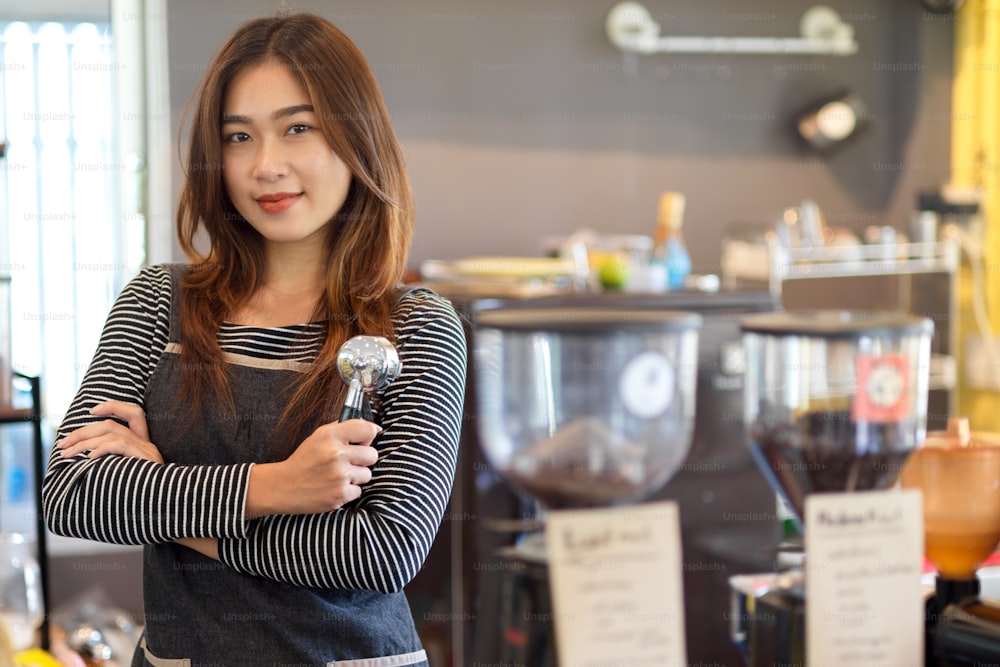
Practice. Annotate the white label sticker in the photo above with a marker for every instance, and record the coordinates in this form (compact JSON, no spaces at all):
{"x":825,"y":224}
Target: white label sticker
{"x":617,"y":582}
{"x":647,"y":385}
{"x":864,"y":561}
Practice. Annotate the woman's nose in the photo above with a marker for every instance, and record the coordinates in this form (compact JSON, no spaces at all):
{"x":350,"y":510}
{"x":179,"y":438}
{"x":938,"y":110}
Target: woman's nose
{"x":269,"y":161}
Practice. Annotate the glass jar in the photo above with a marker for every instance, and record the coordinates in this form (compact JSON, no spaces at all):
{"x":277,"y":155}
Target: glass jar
{"x":586,"y":407}
{"x":835,"y":401}
{"x":20,"y":590}
{"x":5,"y":346}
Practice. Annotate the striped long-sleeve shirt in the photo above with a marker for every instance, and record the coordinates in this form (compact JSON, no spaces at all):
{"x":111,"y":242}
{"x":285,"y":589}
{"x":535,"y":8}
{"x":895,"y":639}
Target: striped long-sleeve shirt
{"x":377,"y":543}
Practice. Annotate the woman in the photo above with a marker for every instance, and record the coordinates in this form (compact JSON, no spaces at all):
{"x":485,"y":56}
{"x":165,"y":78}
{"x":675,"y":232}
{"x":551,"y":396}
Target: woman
{"x":205,"y":428}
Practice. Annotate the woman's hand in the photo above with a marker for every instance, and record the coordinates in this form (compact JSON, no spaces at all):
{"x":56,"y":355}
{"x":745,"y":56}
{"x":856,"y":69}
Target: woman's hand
{"x":325,"y":472}
{"x":110,"y":437}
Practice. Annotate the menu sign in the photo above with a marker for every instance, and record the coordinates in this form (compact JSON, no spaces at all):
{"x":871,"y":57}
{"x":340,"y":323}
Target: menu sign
{"x":616,"y":583}
{"x":864,"y":558}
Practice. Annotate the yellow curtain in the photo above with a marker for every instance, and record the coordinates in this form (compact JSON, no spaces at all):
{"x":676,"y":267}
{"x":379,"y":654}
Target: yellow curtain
{"x":975,"y":162}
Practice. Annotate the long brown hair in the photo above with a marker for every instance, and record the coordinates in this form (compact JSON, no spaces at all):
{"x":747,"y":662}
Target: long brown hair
{"x":366,"y":242}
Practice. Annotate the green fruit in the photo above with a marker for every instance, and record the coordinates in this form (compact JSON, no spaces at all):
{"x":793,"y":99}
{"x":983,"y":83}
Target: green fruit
{"x":614,"y":272}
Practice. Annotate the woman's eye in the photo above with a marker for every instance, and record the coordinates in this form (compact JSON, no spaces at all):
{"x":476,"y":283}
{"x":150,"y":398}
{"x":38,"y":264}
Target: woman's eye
{"x":298,"y":128}
{"x":237,"y":137}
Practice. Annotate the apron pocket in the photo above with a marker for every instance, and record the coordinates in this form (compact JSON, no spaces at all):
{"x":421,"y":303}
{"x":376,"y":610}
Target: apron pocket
{"x":162,"y":662}
{"x":400,"y":660}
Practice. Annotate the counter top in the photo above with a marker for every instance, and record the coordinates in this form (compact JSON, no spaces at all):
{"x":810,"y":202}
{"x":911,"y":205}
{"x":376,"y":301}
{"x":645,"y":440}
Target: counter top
{"x":722,"y":301}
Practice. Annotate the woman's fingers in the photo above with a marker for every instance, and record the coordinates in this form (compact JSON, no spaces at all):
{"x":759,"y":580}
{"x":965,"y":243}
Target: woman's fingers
{"x":355,"y":431}
{"x":108,"y":437}
{"x":362,"y":475}
{"x":84,"y":433}
{"x":133,"y":415}
{"x":326,"y":471}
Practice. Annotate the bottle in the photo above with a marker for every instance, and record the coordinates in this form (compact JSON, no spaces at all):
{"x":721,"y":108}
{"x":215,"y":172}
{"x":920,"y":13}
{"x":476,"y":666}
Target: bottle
{"x":670,"y":257}
{"x":791,"y":529}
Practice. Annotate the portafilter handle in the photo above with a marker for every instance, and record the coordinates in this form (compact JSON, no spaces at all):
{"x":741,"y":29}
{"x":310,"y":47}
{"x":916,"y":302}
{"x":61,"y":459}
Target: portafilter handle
{"x":365,"y":363}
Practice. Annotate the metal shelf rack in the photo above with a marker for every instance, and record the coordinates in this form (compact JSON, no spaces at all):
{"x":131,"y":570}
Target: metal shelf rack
{"x":904,"y":260}
{"x":864,"y":260}
{"x":33,"y":415}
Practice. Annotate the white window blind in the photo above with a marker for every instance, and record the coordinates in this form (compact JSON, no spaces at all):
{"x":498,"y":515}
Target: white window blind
{"x":60,"y":217}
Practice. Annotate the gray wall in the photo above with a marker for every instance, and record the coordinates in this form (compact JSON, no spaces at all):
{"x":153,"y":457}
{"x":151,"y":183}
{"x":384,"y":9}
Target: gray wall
{"x":520,"y":120}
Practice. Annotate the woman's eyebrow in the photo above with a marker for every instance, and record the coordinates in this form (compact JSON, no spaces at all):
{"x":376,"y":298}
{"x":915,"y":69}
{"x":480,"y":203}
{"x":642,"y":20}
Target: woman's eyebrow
{"x":280,"y":113}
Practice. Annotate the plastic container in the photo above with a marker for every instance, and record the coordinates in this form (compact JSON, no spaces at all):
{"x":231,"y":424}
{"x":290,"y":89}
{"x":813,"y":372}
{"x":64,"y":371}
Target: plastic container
{"x":958,"y":473}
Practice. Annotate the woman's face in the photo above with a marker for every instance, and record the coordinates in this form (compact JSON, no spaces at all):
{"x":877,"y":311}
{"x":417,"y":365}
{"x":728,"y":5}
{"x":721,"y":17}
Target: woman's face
{"x":278,"y":169}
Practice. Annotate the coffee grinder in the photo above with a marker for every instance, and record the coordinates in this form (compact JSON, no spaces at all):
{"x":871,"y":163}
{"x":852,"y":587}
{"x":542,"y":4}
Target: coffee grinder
{"x":835,"y":402}
{"x":578,"y":407}
{"x":958,"y":472}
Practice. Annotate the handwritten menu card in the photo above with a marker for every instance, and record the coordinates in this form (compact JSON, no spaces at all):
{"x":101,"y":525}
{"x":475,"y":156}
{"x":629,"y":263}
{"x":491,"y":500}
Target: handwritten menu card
{"x":616,"y":583}
{"x":864,"y":557}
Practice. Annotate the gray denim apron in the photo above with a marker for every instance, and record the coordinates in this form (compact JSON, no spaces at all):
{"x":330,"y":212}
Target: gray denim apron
{"x":201,"y":612}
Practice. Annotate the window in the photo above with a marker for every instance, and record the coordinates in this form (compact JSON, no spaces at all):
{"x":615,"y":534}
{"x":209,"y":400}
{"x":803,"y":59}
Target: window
{"x":64,"y":239}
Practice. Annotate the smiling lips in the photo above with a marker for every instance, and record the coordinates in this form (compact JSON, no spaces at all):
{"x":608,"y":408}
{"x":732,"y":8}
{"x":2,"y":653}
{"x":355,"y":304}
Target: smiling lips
{"x":278,"y":202}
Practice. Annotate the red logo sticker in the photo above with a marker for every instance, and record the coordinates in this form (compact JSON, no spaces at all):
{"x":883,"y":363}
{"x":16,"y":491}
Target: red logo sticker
{"x":883,"y":388}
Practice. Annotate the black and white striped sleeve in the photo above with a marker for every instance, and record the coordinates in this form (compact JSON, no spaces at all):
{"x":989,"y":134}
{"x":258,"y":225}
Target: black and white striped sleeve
{"x":380,"y":542}
{"x":126,"y":500}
